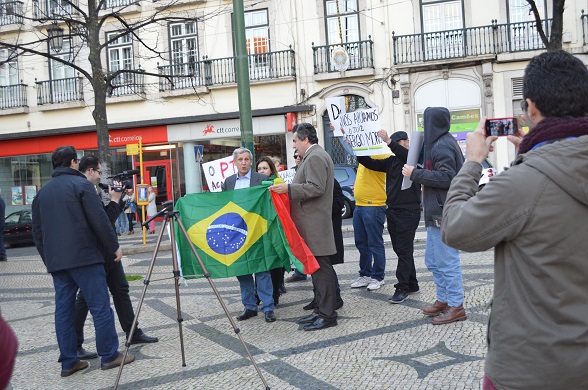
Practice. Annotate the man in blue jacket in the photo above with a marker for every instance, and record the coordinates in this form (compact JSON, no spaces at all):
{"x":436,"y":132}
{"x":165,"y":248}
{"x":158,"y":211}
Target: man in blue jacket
{"x":70,"y":227}
{"x":443,"y":159}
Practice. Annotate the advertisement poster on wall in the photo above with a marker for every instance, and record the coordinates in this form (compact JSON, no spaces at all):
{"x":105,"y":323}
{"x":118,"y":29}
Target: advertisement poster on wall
{"x":462,"y":122}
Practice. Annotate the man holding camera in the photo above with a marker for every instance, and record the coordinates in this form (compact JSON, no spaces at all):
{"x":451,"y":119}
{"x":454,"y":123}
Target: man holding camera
{"x":73,"y":235}
{"x":115,"y":275}
{"x":534,"y":216}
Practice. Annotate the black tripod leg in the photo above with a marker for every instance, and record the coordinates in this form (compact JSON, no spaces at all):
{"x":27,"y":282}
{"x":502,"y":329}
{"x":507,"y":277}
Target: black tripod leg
{"x":141,"y":299}
{"x":222,"y":303}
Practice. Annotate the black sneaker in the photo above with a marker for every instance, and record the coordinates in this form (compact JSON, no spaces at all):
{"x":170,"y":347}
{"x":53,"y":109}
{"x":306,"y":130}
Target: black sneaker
{"x":398,"y":297}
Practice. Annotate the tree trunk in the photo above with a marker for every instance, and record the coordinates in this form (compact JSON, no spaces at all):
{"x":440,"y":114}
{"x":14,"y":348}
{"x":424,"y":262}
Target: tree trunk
{"x":99,"y":87}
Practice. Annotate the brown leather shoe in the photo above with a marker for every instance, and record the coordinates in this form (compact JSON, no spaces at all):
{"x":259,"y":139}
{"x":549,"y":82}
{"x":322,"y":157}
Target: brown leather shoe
{"x":451,"y":314}
{"x":80,"y":365}
{"x":435,"y":309}
{"x":116,"y":362}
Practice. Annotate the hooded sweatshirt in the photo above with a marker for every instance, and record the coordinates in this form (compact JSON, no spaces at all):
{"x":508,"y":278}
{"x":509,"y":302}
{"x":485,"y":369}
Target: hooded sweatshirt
{"x":443,"y":159}
{"x":534,"y":215}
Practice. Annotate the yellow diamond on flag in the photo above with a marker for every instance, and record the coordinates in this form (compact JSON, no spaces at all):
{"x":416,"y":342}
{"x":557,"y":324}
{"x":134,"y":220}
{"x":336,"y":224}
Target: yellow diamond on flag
{"x":227,"y":234}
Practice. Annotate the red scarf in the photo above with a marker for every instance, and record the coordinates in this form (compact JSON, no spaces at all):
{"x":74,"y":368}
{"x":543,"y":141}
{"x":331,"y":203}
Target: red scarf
{"x":553,"y":129}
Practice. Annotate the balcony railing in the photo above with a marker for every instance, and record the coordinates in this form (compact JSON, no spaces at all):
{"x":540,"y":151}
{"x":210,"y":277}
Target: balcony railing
{"x":59,"y":91}
{"x":13,"y":96}
{"x":466,"y":42}
{"x":127,"y":84}
{"x":43,"y":9}
{"x":361,"y":56}
{"x":220,"y":71}
{"x":11,"y":13}
{"x":108,"y":4}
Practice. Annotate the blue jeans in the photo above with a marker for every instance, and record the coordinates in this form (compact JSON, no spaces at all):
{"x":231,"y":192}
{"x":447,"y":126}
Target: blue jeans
{"x":122,"y":223}
{"x":443,"y":262}
{"x":91,"y":279}
{"x":265,"y":291}
{"x":368,"y":227}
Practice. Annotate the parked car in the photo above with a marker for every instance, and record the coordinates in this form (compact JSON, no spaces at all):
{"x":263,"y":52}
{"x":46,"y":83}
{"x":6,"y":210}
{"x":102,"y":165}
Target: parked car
{"x":349,"y":203}
{"x":18,"y":228}
{"x":488,"y":172}
{"x":345,"y":175}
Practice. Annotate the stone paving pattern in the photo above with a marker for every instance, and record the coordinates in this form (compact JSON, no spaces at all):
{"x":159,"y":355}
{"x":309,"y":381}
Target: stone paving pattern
{"x":375,"y":346}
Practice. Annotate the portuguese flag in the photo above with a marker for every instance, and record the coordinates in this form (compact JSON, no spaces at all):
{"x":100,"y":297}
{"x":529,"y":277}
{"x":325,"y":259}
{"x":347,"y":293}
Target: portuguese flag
{"x":238,"y":233}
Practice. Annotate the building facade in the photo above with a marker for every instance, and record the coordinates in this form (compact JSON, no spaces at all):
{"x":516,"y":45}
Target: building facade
{"x":181,"y":95}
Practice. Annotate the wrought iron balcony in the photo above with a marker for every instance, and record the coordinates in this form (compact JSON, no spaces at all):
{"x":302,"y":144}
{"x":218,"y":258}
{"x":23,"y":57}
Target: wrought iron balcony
{"x":108,"y":4}
{"x":11,"y":13}
{"x":127,"y":83}
{"x":59,"y":91}
{"x":45,"y":9}
{"x":361,"y":56}
{"x":468,"y":42}
{"x":271,"y":65}
{"x":13,"y":96}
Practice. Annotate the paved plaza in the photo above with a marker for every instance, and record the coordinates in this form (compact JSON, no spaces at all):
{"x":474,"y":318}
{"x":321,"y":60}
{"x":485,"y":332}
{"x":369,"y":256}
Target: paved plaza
{"x":375,"y":346}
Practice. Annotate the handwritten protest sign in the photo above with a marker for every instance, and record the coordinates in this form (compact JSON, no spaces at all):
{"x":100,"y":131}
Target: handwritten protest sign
{"x":287,"y":175}
{"x":335,"y":108}
{"x":361,"y":131}
{"x":217,"y":171}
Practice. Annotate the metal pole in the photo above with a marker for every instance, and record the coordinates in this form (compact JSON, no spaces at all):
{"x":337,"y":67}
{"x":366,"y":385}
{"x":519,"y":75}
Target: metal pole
{"x":242,"y":72}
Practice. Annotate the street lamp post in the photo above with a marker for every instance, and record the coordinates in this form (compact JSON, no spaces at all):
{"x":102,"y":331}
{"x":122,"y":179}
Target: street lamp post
{"x":55,"y":34}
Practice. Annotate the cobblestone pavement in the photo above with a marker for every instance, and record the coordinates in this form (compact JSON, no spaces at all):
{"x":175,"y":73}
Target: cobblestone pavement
{"x":375,"y":346}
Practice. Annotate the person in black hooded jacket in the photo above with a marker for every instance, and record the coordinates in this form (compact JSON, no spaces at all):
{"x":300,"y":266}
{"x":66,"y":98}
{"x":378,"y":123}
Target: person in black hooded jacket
{"x":443,"y":159}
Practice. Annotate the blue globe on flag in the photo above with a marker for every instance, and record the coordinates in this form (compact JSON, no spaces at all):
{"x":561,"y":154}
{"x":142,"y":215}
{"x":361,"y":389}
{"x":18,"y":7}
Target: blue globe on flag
{"x":227,"y":233}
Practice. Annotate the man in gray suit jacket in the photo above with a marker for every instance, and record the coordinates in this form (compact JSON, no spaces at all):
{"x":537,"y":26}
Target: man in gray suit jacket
{"x":311,"y":194}
{"x":245,"y":178}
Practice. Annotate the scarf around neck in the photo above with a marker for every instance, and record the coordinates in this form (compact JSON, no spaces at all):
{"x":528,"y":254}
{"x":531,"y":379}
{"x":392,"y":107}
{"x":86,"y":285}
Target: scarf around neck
{"x":553,"y":129}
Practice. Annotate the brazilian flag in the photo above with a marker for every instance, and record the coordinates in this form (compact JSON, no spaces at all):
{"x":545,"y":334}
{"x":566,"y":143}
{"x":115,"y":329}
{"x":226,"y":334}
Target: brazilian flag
{"x":235,"y":233}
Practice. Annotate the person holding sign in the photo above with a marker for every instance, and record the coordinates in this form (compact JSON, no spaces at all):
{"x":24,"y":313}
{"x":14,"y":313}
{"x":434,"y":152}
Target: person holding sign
{"x":443,"y":159}
{"x":403,"y":212}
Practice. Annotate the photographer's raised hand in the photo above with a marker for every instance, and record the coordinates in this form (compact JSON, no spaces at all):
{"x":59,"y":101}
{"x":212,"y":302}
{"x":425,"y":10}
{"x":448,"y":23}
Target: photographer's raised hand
{"x":478,"y":145}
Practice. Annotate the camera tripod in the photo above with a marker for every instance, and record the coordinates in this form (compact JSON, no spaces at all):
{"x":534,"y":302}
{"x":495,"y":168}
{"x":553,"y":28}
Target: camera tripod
{"x":169,"y":213}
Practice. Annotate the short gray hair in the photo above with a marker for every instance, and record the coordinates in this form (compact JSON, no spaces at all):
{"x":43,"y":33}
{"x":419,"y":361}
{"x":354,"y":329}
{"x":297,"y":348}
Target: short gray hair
{"x":240,"y":150}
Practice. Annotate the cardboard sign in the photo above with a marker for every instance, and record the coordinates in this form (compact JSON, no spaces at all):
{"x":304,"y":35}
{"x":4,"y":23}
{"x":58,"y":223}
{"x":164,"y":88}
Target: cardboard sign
{"x":336,"y":108}
{"x":217,"y":171}
{"x":416,"y":144}
{"x":287,"y":175}
{"x":361,"y":131}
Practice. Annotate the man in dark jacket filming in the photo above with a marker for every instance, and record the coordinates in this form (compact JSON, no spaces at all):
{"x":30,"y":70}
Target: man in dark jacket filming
{"x":115,"y":275}
{"x":443,"y":159}
{"x":70,"y":227}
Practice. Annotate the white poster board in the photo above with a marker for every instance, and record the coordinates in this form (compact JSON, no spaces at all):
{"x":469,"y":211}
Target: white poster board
{"x":416,"y":144}
{"x":287,"y":175}
{"x":336,"y":108}
{"x":217,"y":171}
{"x":361,"y":131}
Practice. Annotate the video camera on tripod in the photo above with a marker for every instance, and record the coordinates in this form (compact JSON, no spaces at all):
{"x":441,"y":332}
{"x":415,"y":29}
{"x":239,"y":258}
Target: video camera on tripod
{"x":123,"y":178}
